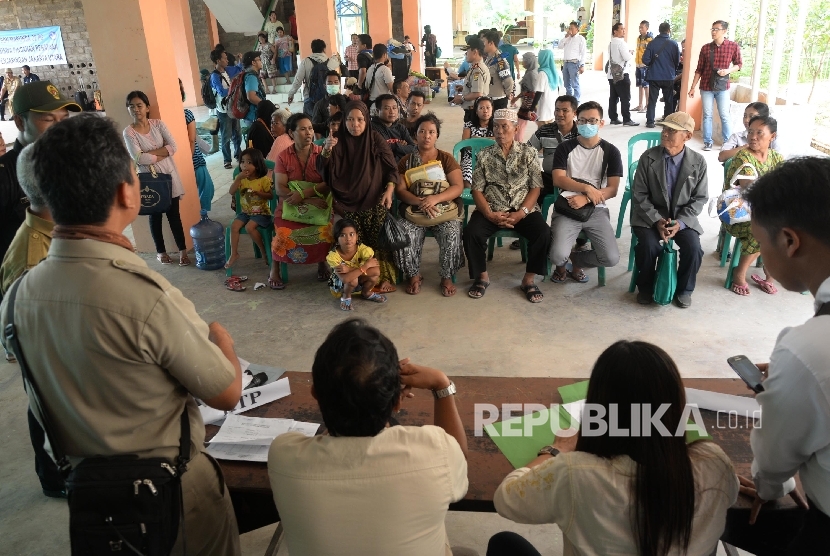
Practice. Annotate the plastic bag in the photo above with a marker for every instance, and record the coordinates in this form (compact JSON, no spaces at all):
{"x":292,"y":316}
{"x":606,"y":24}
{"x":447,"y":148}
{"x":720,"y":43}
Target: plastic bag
{"x":392,"y":236}
{"x":665,"y":282}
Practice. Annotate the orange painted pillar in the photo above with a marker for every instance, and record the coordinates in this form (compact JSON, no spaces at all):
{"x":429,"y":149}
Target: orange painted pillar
{"x":184,"y":48}
{"x":602,"y":31}
{"x":380,"y":20}
{"x":213,"y":28}
{"x":698,"y":33}
{"x":412,"y":27}
{"x":143,"y":61}
{"x":316,"y":20}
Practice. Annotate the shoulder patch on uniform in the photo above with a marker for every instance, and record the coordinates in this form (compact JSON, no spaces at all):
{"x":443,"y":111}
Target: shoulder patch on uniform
{"x":145,"y":272}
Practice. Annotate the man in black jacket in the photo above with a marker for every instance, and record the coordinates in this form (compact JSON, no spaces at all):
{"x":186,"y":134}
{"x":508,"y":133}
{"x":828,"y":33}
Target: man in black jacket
{"x":37,"y":106}
{"x":387,"y":123}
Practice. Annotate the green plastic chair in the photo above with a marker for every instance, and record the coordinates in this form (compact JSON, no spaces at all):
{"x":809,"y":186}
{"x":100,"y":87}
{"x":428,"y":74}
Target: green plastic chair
{"x":549,"y":200}
{"x":475,"y":144}
{"x":267,"y":233}
{"x":651,"y":139}
{"x":320,"y":142}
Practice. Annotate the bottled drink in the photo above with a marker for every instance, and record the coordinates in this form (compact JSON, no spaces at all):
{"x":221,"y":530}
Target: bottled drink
{"x":209,"y":243}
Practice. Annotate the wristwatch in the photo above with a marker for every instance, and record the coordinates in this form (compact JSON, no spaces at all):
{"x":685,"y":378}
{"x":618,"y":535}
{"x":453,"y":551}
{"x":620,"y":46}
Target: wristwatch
{"x":444,"y":392}
{"x":548,"y":450}
{"x":525,"y":210}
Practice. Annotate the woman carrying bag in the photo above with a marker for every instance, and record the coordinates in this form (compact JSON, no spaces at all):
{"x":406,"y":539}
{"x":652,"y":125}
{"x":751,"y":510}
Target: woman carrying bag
{"x":152,"y":146}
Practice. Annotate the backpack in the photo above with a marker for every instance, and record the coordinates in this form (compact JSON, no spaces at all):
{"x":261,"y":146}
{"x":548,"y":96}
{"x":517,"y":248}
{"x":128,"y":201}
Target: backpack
{"x":208,"y":94}
{"x":237,"y":101}
{"x":317,"y":80}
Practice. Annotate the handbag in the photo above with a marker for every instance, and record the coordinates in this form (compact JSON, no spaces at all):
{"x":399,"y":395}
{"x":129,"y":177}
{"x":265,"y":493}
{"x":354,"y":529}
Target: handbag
{"x":562,"y":207}
{"x":447,"y":210}
{"x":306,"y":213}
{"x":719,"y":82}
{"x":116,"y":504}
{"x":211,"y":124}
{"x":392,"y":236}
{"x":665,"y":282}
{"x":156,"y":191}
{"x":528,"y":109}
{"x":616,"y":69}
{"x":730,"y":206}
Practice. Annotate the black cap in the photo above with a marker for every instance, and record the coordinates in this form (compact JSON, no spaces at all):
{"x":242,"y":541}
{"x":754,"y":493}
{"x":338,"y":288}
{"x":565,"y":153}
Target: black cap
{"x":475,"y":42}
{"x":41,"y":96}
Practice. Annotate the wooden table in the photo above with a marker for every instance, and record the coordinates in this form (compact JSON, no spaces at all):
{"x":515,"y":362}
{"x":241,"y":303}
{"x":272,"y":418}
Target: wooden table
{"x":486,"y":465}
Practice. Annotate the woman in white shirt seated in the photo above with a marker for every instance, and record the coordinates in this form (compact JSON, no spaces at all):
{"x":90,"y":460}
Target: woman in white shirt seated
{"x":368,"y":488}
{"x":640,"y":495}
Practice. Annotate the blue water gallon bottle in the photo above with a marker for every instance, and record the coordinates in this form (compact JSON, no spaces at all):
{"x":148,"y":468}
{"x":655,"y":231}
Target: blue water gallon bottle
{"x":209,"y":243}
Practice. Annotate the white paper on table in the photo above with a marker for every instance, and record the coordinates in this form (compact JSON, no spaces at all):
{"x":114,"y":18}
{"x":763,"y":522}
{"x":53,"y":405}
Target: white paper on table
{"x":246,"y":377}
{"x":260,"y":395}
{"x":239,"y":452}
{"x":251,"y":430}
{"x":715,"y":401}
{"x":308,"y":429}
{"x":575,"y":410}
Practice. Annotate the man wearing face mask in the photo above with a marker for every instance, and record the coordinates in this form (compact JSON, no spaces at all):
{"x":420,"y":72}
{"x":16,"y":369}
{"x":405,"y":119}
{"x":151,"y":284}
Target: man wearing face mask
{"x":588,"y":171}
{"x":320,"y":114}
{"x":388,"y":124}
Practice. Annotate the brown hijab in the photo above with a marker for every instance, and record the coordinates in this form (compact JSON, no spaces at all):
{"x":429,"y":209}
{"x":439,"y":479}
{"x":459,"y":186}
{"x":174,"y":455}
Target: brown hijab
{"x":359,"y":166}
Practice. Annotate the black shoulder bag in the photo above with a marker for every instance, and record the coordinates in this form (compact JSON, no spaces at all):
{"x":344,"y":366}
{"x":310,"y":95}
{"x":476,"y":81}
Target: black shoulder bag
{"x":719,"y":82}
{"x":562,"y":207}
{"x":120,"y":504}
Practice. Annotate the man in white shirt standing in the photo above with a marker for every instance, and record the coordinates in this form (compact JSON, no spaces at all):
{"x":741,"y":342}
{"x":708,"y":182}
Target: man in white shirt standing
{"x":574,"y":50}
{"x":620,"y":84}
{"x":790,"y":211}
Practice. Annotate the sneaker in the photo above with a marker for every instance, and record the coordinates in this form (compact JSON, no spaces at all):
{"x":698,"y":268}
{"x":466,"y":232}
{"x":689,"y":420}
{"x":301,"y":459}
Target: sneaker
{"x":631,"y":123}
{"x":516,"y":245}
{"x":684,"y":301}
{"x":651,"y":124}
{"x":707,"y":146}
{"x":228,"y":166}
{"x":644,"y":298}
{"x":615,"y":122}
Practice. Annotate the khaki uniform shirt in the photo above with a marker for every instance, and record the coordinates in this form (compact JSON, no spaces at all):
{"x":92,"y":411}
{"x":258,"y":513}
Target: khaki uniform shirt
{"x":116,"y":352}
{"x":477,"y":81}
{"x":29,"y":246}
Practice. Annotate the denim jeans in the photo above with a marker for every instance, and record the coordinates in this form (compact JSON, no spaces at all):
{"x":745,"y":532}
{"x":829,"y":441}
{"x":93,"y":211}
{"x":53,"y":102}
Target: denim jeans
{"x":570,"y":75}
{"x":228,"y":131}
{"x":722,"y":98}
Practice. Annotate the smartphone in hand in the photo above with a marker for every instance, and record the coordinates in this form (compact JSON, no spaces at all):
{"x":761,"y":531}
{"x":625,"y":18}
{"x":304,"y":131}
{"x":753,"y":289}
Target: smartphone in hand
{"x":747,"y":370}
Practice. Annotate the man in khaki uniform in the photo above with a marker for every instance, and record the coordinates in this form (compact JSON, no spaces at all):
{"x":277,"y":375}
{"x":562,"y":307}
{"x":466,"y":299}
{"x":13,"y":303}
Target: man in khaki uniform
{"x":116,"y":351}
{"x":477,"y":82}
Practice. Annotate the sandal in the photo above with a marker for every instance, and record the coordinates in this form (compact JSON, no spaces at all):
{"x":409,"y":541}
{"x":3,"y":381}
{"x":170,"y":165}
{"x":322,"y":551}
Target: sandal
{"x":532,"y":293}
{"x":323,"y":276}
{"x":766,"y":285}
{"x":346,"y":304}
{"x":184,"y":261}
{"x":558,"y":278}
{"x":234,"y":284}
{"x":582,"y":278}
{"x":389,"y":288}
{"x":478,"y":289}
{"x":516,"y":245}
{"x":164,"y":258}
{"x":414,"y":288}
{"x":274,"y":285}
{"x":448,"y":290}
{"x":376,"y":297}
{"x":740,"y":290}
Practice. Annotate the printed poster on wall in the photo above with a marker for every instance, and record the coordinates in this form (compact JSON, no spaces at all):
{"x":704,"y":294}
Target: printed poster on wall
{"x":39,"y":46}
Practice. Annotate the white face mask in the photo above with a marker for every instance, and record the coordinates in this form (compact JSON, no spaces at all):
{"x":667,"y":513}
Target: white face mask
{"x":332,"y":89}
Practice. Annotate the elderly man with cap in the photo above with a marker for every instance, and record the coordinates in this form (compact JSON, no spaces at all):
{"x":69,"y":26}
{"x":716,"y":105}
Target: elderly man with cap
{"x":669,"y":191}
{"x":506,"y":183}
{"x":36,"y":106}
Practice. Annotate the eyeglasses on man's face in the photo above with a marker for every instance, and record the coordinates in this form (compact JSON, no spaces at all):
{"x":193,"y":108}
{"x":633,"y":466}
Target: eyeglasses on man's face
{"x":717,"y":29}
{"x":583,"y":121}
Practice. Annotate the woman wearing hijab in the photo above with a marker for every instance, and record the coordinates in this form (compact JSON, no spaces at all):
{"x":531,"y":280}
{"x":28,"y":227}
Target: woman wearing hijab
{"x":530,"y":95}
{"x":549,"y":80}
{"x":259,"y":134}
{"x":361,"y":171}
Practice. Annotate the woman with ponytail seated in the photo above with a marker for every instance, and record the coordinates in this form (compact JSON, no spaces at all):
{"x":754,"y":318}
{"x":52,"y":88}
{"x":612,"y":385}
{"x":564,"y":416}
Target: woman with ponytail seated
{"x":649,"y":495}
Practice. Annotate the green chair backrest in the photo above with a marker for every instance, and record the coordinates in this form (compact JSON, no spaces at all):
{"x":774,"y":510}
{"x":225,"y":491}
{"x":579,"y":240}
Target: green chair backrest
{"x":651,"y":139}
{"x":632,"y":169}
{"x":475,"y":144}
{"x":320,"y":142}
{"x":726,"y":170}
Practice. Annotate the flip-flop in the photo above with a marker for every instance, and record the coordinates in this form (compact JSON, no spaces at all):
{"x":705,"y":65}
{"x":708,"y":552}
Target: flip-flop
{"x":164,"y":258}
{"x":234,"y":285}
{"x":274,"y":285}
{"x":240,"y":278}
{"x":765,"y":285}
{"x":557,"y":278}
{"x":414,"y":288}
{"x":581,"y":278}
{"x":740,"y":290}
{"x":322,"y":276}
{"x":346,"y":304}
{"x":531,"y":291}
{"x":479,"y":287}
{"x":184,"y":261}
{"x":389,"y":289}
{"x":376,"y":297}
{"x":448,"y":291}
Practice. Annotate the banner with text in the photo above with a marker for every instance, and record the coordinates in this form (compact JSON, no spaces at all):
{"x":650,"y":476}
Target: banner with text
{"x":40,"y":46}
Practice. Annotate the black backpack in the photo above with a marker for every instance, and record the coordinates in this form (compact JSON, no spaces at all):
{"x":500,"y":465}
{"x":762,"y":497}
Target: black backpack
{"x":317,"y":80}
{"x":208,"y":94}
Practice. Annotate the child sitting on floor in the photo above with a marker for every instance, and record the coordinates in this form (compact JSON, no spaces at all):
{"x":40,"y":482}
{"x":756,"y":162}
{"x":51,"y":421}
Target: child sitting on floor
{"x":255,"y":190}
{"x":354,"y":266}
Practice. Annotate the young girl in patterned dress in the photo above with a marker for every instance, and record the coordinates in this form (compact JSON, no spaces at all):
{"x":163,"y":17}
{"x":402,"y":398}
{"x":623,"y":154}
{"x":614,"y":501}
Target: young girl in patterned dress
{"x":480,"y":125}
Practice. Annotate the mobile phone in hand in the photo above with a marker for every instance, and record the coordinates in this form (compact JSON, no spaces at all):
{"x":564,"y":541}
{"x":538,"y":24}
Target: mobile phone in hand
{"x":748,"y":372}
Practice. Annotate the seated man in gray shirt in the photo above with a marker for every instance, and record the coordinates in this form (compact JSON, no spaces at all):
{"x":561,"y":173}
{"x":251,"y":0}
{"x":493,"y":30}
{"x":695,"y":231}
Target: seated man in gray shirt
{"x":670,"y":172}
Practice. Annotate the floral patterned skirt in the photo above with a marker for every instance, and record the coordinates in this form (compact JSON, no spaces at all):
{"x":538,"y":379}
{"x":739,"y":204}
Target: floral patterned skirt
{"x":298,"y":243}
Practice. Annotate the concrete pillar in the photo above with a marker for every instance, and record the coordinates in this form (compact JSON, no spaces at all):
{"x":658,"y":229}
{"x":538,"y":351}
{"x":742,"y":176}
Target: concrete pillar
{"x":798,"y":44}
{"x":213,"y":27}
{"x":635,"y":11}
{"x":602,"y":31}
{"x":184,"y":50}
{"x":412,"y":27}
{"x":316,"y":20}
{"x":759,"y":51}
{"x":698,"y":33}
{"x":380,"y":20}
{"x":143,"y":62}
{"x":777,"y":52}
{"x":530,"y":6}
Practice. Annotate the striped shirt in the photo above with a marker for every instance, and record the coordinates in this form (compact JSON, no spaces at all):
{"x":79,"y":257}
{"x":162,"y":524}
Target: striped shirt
{"x":198,"y":157}
{"x":351,"y":57}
